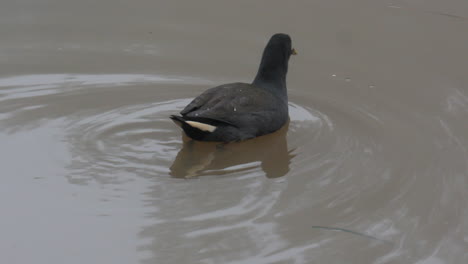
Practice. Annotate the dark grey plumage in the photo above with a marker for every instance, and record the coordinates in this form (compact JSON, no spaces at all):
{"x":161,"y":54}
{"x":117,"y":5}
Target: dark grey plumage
{"x":239,"y":111}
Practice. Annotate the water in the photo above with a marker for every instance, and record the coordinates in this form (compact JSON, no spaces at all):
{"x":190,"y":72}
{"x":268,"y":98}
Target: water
{"x":371,"y":168}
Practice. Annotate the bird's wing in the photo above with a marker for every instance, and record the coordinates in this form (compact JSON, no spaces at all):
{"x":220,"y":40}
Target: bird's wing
{"x":237,"y":104}
{"x":200,"y":100}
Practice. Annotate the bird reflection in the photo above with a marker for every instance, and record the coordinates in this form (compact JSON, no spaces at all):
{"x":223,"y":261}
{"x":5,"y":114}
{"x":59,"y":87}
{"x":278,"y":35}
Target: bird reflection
{"x":208,"y":158}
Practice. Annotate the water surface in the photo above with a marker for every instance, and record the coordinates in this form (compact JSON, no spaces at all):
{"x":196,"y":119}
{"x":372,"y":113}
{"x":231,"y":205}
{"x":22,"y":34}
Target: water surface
{"x":371,"y":168}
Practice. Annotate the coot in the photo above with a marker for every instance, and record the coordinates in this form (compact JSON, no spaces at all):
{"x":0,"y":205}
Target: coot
{"x":240,"y":111}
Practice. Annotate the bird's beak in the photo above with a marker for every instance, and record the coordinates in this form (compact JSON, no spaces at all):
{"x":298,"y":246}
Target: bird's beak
{"x":293,"y":52}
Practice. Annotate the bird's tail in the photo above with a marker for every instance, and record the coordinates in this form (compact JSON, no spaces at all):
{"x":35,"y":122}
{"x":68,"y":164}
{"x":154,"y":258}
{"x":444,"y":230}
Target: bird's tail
{"x":187,"y":125}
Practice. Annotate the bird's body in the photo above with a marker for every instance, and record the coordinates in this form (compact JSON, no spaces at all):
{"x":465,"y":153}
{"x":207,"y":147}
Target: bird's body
{"x":239,"y":111}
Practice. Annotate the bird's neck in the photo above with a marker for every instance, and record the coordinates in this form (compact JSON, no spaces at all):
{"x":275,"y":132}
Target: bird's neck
{"x":271,"y":75}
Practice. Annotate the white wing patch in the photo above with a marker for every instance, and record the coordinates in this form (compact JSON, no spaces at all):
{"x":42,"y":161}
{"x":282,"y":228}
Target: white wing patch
{"x":202,"y":126}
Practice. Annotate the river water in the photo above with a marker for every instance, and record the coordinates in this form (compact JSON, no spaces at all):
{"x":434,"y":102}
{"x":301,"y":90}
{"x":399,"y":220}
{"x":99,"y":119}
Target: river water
{"x":372,"y":167}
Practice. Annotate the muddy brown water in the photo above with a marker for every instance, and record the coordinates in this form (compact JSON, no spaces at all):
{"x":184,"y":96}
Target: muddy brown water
{"x":372,"y":167}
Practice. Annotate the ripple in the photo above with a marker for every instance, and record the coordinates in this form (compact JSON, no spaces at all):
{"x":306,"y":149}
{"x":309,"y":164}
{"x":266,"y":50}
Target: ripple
{"x":135,"y":139}
{"x":138,"y":138}
{"x":54,"y":80}
{"x":267,"y":155}
{"x":25,"y":86}
{"x":357,"y":165}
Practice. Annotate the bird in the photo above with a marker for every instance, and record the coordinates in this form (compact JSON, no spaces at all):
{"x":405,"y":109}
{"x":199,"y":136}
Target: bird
{"x":239,"y":111}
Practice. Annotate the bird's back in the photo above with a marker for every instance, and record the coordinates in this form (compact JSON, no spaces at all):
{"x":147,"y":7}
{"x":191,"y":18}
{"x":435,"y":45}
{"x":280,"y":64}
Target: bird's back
{"x":241,"y":105}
